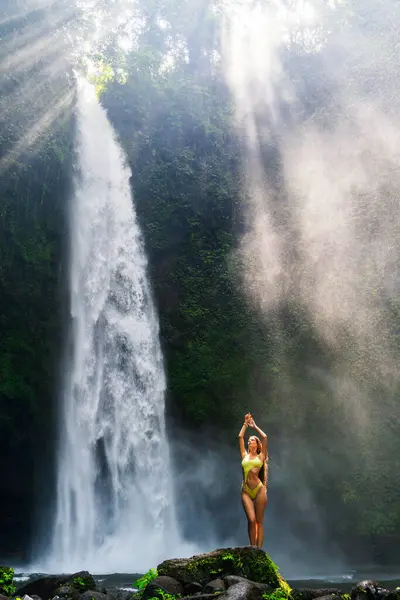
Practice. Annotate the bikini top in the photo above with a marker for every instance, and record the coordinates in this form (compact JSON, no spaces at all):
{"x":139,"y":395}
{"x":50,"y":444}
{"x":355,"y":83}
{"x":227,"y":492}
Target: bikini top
{"x":249,"y":464}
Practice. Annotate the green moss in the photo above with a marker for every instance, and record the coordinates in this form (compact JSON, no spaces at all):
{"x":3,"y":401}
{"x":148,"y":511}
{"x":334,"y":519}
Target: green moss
{"x":204,"y":564}
{"x":83,"y":582}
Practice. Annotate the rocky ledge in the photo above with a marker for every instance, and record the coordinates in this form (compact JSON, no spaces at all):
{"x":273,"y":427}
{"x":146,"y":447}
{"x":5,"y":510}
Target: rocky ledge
{"x":245,"y":573}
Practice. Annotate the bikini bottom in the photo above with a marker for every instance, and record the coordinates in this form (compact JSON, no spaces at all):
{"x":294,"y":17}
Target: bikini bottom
{"x":252,"y":492}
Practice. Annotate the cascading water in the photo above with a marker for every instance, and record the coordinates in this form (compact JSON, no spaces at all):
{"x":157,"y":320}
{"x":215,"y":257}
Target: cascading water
{"x":114,"y":504}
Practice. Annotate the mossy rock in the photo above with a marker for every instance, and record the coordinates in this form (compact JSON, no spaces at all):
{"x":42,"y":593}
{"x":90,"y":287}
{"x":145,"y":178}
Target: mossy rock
{"x":249,"y":562}
{"x":7,"y":586}
{"x":82,"y":581}
{"x":46,"y":587}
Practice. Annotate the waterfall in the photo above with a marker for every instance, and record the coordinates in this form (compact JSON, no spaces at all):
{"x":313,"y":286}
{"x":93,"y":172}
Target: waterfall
{"x":114,"y":499}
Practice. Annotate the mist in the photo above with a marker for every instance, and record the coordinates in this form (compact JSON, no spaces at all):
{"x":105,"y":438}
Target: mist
{"x":317,"y":106}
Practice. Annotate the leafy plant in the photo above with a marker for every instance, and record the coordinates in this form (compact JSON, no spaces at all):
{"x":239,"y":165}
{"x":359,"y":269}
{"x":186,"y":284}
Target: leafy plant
{"x":143,"y":581}
{"x":277,"y":594}
{"x":7,"y":581}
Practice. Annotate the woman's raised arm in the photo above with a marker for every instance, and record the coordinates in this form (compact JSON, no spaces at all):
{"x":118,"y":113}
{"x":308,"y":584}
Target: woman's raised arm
{"x":241,"y":440}
{"x":263,"y":436}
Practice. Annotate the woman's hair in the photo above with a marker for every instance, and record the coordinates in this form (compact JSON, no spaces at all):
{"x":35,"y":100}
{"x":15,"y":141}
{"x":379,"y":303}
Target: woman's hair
{"x":259,"y":445}
{"x":262,"y":473}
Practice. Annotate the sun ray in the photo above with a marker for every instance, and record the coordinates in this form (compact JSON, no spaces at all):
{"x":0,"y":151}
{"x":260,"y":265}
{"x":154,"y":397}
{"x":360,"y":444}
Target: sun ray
{"x":32,"y":136}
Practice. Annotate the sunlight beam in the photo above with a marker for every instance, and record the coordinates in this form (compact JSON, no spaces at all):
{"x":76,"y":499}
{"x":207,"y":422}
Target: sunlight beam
{"x":32,"y":136}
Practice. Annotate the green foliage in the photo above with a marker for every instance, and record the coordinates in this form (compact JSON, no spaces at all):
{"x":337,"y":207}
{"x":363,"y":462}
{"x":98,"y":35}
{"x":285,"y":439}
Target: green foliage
{"x":277,"y":594}
{"x":143,"y":581}
{"x":7,"y":586}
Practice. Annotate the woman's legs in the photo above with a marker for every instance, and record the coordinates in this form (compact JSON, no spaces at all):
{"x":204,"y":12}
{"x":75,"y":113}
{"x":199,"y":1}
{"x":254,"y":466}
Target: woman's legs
{"x":248,"y":506}
{"x":260,"y":503}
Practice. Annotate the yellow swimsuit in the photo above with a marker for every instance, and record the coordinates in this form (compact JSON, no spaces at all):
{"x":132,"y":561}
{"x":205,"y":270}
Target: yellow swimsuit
{"x":247,"y":465}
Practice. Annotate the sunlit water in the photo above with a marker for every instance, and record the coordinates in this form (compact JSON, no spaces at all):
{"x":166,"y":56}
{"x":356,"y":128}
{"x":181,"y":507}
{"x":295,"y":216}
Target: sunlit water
{"x":114,"y":493}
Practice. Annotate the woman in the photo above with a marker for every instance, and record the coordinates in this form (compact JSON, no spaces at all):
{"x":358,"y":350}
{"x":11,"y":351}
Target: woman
{"x":254,"y":490}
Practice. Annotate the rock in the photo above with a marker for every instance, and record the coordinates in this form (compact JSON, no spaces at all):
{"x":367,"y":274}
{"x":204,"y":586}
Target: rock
{"x":247,"y":561}
{"x":68,"y":592}
{"x":310,"y":593}
{"x":203,"y":597}
{"x":368,"y":590}
{"x":161,"y":585}
{"x":213,"y":586}
{"x":83,"y":581}
{"x":118,"y":594}
{"x":46,"y":587}
{"x":394,"y":595}
{"x":243,"y":591}
{"x":234,"y":579}
{"x":4,"y":597}
{"x":93,"y":595}
{"x":192,"y":588}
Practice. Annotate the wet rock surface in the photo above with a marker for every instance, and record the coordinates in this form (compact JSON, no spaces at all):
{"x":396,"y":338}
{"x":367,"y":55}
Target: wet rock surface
{"x":310,"y":593}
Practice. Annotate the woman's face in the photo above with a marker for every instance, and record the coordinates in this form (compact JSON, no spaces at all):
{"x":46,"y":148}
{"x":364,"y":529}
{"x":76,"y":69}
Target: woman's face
{"x":252,"y":444}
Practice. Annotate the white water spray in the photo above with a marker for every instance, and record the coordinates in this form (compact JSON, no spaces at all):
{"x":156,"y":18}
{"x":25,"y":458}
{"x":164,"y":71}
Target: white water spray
{"x":114,"y":499}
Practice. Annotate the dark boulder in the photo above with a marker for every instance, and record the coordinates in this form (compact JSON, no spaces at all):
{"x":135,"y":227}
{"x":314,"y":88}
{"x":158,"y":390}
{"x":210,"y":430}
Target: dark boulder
{"x":202,"y":597}
{"x":67,"y":592}
{"x":93,"y":595}
{"x":310,"y":593}
{"x":46,"y":587}
{"x":243,"y":591}
{"x":368,"y":590}
{"x":234,"y":579}
{"x":82,"y":581}
{"x":118,"y":594}
{"x":213,"y":586}
{"x":192,"y":588}
{"x":161,"y":585}
{"x":394,"y":595}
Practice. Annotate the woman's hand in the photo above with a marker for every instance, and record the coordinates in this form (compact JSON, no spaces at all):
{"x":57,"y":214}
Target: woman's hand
{"x":247,"y":419}
{"x":252,"y":422}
